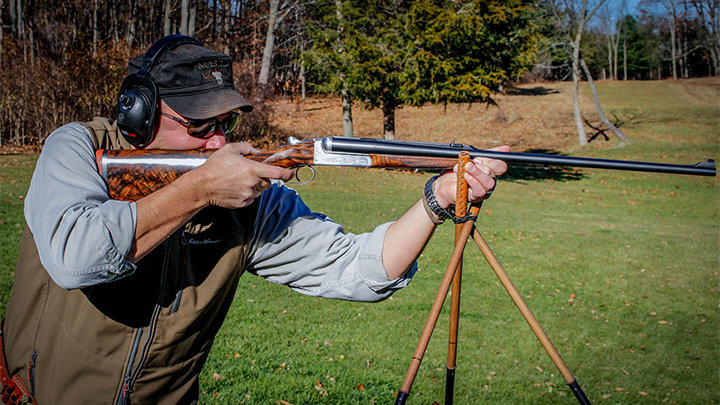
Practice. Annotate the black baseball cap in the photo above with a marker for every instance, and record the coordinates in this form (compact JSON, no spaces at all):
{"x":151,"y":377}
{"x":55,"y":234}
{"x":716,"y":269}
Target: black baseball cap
{"x":195,"y":81}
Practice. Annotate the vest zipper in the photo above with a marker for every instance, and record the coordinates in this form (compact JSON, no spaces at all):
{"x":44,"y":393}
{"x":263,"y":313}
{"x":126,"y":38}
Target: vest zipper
{"x":131,"y":374}
{"x":178,"y":296}
{"x":125,"y":396}
{"x":31,"y":371}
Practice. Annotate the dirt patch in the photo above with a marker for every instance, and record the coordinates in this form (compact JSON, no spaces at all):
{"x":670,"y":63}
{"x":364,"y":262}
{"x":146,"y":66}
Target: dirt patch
{"x":535,"y":117}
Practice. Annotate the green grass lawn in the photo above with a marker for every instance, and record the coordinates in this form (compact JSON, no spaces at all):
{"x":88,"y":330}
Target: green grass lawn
{"x":621,"y":269}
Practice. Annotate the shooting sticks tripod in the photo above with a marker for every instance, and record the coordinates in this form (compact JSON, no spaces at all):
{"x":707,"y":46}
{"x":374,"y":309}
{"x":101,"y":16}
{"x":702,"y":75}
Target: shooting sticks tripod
{"x":453,"y":275}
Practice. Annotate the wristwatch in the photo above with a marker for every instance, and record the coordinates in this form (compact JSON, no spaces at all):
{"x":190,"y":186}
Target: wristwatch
{"x":431,"y":204}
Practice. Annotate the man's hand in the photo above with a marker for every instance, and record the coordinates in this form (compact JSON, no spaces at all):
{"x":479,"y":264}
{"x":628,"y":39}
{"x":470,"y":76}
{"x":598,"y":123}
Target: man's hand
{"x":480,"y":175}
{"x":232,"y":181}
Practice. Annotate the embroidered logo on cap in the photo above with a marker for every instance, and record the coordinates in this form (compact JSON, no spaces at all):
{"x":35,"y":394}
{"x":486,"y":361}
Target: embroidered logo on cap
{"x":218,"y":69}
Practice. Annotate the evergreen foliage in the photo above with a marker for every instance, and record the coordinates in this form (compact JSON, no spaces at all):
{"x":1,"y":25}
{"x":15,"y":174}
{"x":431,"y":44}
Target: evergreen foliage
{"x":394,"y":53}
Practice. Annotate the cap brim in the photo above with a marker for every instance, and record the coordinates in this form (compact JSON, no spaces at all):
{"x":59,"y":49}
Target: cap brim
{"x":208,"y":105}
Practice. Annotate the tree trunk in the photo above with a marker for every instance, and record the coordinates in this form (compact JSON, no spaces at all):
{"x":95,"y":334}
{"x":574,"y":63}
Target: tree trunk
{"x":1,"y":66}
{"x":616,"y":45}
{"x":225,"y":33}
{"x":269,"y":44}
{"x":584,"y":17}
{"x":596,"y":99}
{"x":114,"y":19}
{"x":388,"y":110}
{"x":130,"y":34}
{"x":13,"y":18}
{"x":1,"y":57}
{"x":624,"y":58}
{"x":95,"y":29}
{"x":21,"y":29}
{"x":19,"y":22}
{"x":610,"y":61}
{"x":347,"y":113}
{"x":673,"y":39}
{"x":582,"y":136}
{"x":192,"y":18}
{"x":302,"y":80}
{"x":184,"y":16}
{"x":344,"y":94}
{"x":166,"y":18}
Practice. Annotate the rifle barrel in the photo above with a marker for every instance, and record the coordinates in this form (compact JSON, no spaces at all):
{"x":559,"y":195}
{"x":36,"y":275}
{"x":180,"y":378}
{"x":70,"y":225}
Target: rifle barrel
{"x":429,"y":149}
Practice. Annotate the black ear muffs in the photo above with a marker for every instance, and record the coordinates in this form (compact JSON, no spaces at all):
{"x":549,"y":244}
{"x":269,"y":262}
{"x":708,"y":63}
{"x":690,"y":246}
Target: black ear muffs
{"x":137,"y":108}
{"x":136,"y":111}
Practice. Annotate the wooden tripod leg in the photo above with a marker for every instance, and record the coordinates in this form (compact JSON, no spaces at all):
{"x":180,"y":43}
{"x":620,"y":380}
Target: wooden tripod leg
{"x":461,"y":196}
{"x":462,"y":234}
{"x":434,"y":314}
{"x":529,"y":317}
{"x":454,"y":322}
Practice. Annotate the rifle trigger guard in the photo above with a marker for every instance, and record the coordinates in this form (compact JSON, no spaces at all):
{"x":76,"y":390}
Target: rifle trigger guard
{"x":297,"y":176}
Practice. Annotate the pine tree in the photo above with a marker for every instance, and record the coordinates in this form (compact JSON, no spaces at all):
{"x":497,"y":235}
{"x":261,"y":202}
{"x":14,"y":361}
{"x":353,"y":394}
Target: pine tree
{"x":398,"y":53}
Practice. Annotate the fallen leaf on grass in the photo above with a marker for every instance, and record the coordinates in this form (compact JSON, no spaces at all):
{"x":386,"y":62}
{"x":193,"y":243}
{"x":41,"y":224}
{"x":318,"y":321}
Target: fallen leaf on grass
{"x":217,"y":377}
{"x":360,"y":387}
{"x":643,"y":393}
{"x":284,"y":402}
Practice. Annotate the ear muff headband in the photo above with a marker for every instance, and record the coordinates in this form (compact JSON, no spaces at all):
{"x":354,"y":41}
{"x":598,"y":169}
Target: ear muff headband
{"x":137,"y":112}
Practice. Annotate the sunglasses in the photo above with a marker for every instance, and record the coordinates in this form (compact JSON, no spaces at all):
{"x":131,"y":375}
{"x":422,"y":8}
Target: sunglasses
{"x":206,"y":128}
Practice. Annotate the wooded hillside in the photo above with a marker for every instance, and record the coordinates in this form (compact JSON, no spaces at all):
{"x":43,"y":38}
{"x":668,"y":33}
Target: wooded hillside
{"x":62,"y":61}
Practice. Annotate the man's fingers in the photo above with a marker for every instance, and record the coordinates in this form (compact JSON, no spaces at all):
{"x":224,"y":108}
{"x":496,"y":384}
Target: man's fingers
{"x":242,"y":148}
{"x":265,"y":171}
{"x":498,"y":167}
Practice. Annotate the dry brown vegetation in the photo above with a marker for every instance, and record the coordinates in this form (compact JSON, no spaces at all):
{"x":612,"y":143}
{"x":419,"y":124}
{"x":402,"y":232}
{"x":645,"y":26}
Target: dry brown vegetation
{"x":529,"y":117}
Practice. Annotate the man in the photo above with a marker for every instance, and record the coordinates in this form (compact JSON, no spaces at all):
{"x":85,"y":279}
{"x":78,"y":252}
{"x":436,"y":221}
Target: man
{"x":116,"y":301}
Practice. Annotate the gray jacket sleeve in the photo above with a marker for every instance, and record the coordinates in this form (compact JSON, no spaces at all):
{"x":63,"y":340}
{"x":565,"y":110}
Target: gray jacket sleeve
{"x":313,"y":255}
{"x":82,"y":236}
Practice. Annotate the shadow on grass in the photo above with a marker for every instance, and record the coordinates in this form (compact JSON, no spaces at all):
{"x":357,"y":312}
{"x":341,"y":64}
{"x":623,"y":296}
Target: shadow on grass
{"x":535,"y":91}
{"x":529,"y":172}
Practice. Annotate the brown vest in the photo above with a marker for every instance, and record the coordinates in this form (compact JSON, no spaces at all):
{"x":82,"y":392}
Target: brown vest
{"x":144,"y":337}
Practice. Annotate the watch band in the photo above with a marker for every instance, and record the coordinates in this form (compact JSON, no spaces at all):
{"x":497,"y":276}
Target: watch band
{"x":431,"y":203}
{"x":434,"y":210}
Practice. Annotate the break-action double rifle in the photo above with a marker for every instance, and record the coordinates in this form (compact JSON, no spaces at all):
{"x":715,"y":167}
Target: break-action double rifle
{"x":133,"y":174}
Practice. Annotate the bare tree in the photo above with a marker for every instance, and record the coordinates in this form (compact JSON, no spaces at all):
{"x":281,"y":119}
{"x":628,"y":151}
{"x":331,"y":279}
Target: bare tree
{"x":1,"y":53}
{"x":708,"y":12}
{"x":579,"y":16}
{"x":276,"y":15}
{"x":344,"y":93}
{"x":167,"y":20}
{"x":188,"y":13}
{"x":598,"y":107}
{"x":573,"y":17}
{"x":671,"y":8}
